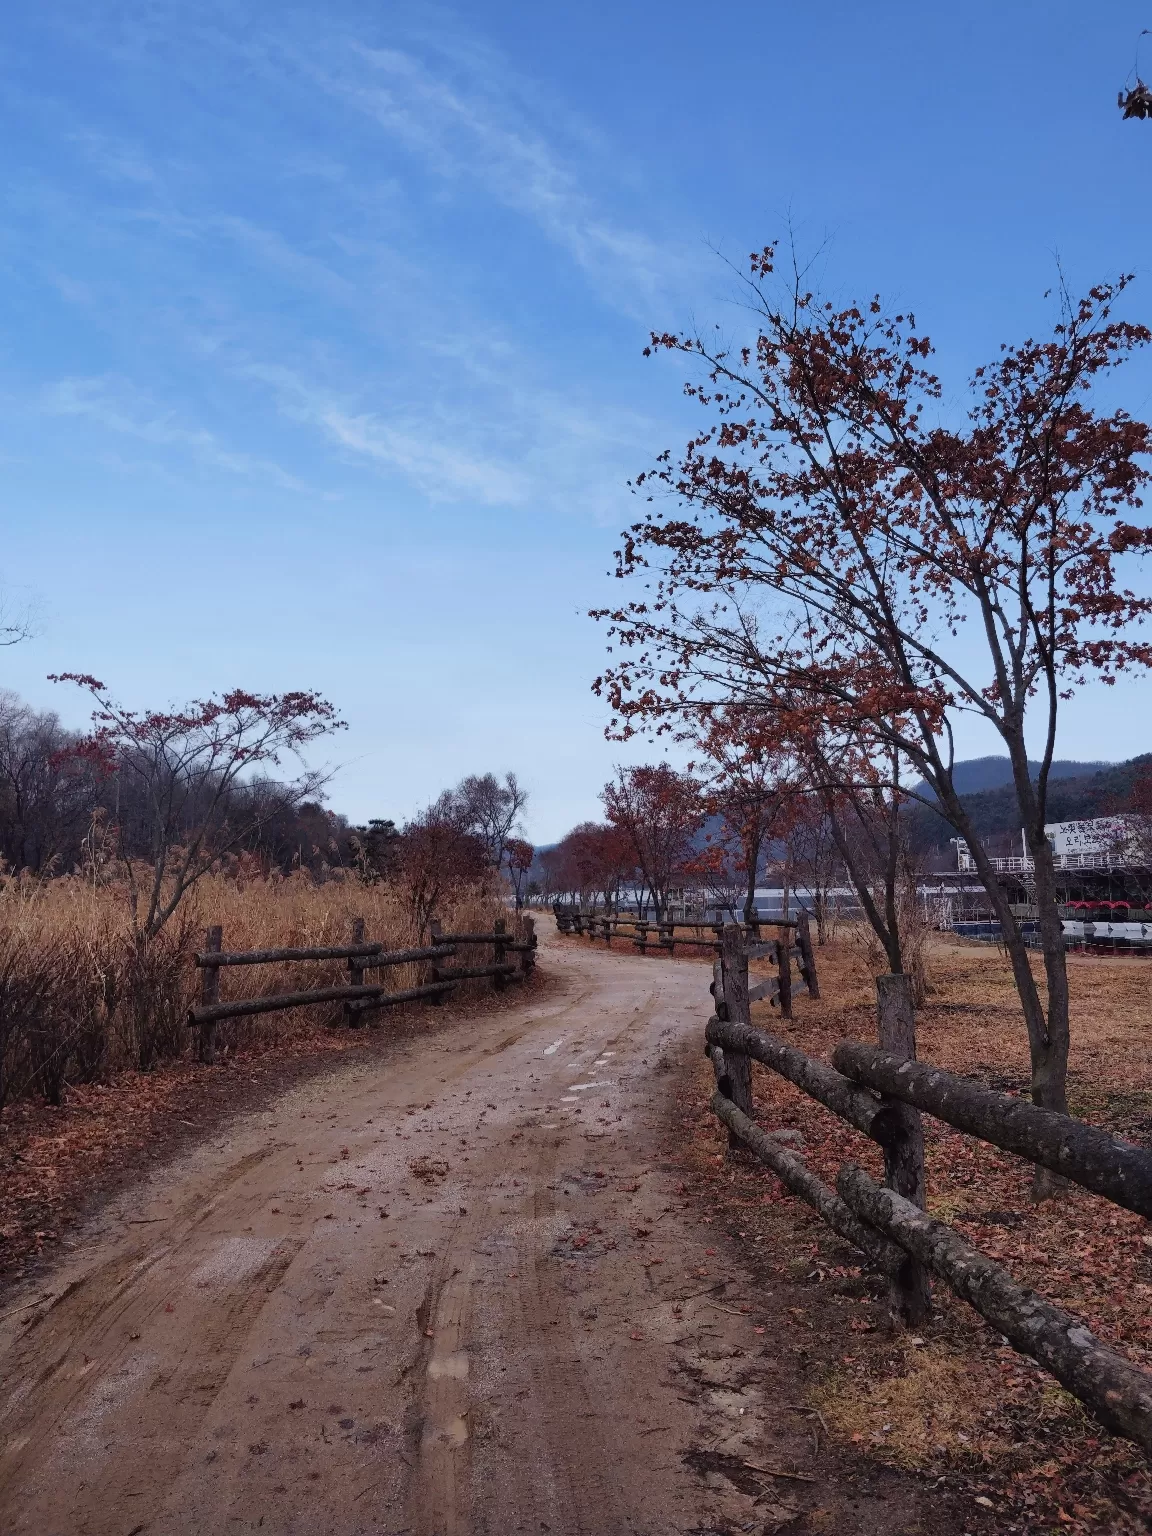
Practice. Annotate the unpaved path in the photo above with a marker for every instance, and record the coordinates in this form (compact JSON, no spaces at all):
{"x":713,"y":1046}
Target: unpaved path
{"x":449,"y":1292}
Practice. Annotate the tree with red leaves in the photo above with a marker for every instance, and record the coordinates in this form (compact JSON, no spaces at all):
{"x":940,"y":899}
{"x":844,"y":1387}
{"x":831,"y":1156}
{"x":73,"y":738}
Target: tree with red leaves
{"x":835,"y":533}
{"x":190,"y":785}
{"x":658,"y":810}
{"x":518,"y":856}
{"x":590,"y":863}
{"x":753,"y":785}
{"x":437,"y":854}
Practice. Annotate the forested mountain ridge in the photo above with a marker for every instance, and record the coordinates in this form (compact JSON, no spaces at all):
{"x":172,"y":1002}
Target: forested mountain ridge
{"x":996,"y":816}
{"x":974,"y":775}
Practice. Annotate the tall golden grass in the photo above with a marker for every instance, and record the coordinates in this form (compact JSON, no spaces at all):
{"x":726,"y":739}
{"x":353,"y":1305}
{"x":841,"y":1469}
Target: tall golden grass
{"x":80,"y":1000}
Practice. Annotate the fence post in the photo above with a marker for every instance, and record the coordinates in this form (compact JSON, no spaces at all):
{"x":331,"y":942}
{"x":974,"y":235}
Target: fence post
{"x":807,"y":953}
{"x":717,"y":987}
{"x":435,"y":929}
{"x":210,"y":993}
{"x":784,"y":968}
{"x":498,"y":953}
{"x":904,"y":1156}
{"x":354,"y":1017}
{"x":733,"y":994}
{"x":528,"y":936}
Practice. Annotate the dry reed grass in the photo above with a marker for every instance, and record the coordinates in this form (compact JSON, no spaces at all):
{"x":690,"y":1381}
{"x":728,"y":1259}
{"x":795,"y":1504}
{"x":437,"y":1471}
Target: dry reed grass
{"x":80,"y":1001}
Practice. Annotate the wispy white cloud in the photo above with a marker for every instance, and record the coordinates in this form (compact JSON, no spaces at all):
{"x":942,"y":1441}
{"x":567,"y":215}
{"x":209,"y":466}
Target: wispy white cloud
{"x":429,"y":452}
{"x":116,"y":159}
{"x":316,"y":266}
{"x":115,"y":406}
{"x":436,"y":466}
{"x":521,"y":447}
{"x":471,"y":127}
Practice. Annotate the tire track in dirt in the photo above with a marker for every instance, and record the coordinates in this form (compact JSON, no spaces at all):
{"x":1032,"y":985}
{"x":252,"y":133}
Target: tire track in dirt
{"x":92,"y":1317}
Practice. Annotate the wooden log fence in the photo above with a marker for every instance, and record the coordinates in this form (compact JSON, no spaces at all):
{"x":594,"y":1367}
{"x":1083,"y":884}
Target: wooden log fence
{"x":358,"y":996}
{"x":877,"y":1091}
{"x":664,"y":937}
{"x":794,"y":1173}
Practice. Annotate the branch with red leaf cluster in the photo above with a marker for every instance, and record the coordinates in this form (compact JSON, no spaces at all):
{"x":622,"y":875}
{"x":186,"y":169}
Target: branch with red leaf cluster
{"x":831,"y":532}
{"x":195,"y":776}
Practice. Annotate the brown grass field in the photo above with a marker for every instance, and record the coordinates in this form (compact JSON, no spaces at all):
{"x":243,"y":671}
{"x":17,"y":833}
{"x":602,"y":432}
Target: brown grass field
{"x":954,"y":1403}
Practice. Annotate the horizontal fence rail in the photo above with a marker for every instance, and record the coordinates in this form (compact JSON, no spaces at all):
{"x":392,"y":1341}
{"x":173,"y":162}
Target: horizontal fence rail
{"x":795,"y":1174}
{"x":359,"y":998}
{"x":815,"y":1078}
{"x":380,"y":960}
{"x":242,"y":1008}
{"x":1083,"y":1153}
{"x":273,"y":956}
{"x":663,"y":937}
{"x":1118,"y":1392}
{"x":876,"y":1091}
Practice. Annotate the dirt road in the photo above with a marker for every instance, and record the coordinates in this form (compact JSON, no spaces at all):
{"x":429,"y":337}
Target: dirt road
{"x":450,"y":1292}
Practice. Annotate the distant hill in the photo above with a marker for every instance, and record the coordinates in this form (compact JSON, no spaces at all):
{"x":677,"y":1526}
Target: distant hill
{"x":1075,"y":797}
{"x":973,"y":775}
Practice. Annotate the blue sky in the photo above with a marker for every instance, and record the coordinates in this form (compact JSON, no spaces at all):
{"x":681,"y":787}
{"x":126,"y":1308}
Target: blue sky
{"x":320,"y":357}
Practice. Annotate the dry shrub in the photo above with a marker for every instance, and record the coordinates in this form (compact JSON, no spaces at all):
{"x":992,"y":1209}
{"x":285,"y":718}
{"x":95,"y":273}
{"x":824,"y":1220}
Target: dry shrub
{"x":81,"y":998}
{"x":914,"y":934}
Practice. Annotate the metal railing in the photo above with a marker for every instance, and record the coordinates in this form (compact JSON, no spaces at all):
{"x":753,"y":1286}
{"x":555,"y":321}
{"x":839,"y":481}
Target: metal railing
{"x":1019,"y":865}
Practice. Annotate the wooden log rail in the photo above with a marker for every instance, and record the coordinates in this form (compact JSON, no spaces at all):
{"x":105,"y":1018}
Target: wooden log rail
{"x":1117,"y":1391}
{"x":483,"y":938}
{"x":815,"y":1078}
{"x":243,"y":1007}
{"x":794,"y":1173}
{"x":357,"y":996}
{"x":380,"y":959}
{"x":1083,"y":1153}
{"x":274,"y":956}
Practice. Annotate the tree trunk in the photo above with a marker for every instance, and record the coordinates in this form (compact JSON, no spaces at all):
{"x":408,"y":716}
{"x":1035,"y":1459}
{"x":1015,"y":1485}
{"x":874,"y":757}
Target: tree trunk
{"x":1049,"y":1057}
{"x":1050,"y":1051}
{"x":1050,"y":1060}
{"x":752,"y":859}
{"x":820,"y":903}
{"x":857,"y":876}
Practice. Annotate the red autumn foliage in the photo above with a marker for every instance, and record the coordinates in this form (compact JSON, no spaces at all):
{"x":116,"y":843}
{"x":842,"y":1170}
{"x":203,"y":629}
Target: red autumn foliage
{"x":590,"y":863}
{"x":832,"y":534}
{"x":191,"y":785}
{"x":658,"y":810}
{"x":518,"y":856}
